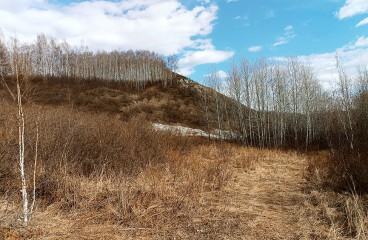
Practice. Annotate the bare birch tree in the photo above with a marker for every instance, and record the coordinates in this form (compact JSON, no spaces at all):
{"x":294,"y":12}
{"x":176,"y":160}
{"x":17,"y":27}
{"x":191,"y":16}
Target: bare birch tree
{"x":21,"y":131}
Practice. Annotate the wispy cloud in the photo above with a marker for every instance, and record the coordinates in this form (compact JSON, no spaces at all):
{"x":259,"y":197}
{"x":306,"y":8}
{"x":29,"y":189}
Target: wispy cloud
{"x":286,"y":38}
{"x":352,"y":8}
{"x":230,"y":1}
{"x":288,"y":29}
{"x":363,"y":22}
{"x":244,"y":19}
{"x":360,"y":42}
{"x":255,"y":48}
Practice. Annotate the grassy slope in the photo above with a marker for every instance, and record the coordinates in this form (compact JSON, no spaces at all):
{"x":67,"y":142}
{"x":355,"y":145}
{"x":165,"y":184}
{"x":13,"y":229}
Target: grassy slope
{"x":181,"y":102}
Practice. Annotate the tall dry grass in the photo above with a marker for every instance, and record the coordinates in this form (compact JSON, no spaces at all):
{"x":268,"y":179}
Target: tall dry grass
{"x":345,"y":211}
{"x":94,"y":170}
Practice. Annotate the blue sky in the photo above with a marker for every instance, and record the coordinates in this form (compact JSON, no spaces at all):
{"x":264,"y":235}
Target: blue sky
{"x":203,"y":32}
{"x":280,"y":28}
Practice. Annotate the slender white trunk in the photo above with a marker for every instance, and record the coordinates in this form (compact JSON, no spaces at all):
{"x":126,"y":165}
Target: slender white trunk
{"x":21,"y":148}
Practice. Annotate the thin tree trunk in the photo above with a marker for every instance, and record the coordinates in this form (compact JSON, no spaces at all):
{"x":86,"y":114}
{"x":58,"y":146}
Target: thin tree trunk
{"x":21,"y":128}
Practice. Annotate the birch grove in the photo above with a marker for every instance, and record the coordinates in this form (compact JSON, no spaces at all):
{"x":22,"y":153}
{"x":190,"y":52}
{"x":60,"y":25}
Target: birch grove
{"x":49,"y":59}
{"x":282,"y":104}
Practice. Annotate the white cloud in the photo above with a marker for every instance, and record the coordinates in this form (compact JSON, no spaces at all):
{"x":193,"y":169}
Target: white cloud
{"x":204,"y":53}
{"x":159,"y":25}
{"x":163,"y":26}
{"x":324,"y":64}
{"x":288,"y":29}
{"x":255,"y":48}
{"x":221,"y":73}
{"x":361,"y":42}
{"x":205,"y":56}
{"x":352,"y":8}
{"x":280,"y":41}
{"x":352,"y":56}
{"x":230,"y":1}
{"x":286,"y":38}
{"x":363,"y":22}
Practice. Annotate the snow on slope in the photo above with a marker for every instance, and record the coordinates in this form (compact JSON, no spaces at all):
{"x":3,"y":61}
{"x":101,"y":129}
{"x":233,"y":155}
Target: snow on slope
{"x":186,"y":131}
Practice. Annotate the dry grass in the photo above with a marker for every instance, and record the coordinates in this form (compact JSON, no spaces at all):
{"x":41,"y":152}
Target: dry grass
{"x":344,"y":211}
{"x":270,"y":200}
{"x":101,"y":178}
{"x":175,"y":103}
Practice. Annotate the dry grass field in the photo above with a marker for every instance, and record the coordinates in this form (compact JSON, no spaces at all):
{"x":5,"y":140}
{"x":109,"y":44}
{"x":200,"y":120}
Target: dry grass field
{"x":100,"y":178}
{"x":100,"y":175}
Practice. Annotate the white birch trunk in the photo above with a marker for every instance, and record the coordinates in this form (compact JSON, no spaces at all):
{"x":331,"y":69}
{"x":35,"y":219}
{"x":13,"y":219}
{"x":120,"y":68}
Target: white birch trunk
{"x":21,"y":149}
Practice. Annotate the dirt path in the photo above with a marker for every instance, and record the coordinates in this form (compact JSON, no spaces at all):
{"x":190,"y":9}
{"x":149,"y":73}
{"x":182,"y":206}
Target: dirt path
{"x":270,"y":200}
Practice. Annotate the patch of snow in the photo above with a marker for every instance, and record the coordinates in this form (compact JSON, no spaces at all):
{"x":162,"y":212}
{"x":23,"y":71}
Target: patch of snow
{"x":186,"y":131}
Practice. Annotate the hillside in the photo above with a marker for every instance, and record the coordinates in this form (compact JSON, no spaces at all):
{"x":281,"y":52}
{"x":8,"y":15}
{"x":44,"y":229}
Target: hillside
{"x":181,"y":102}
